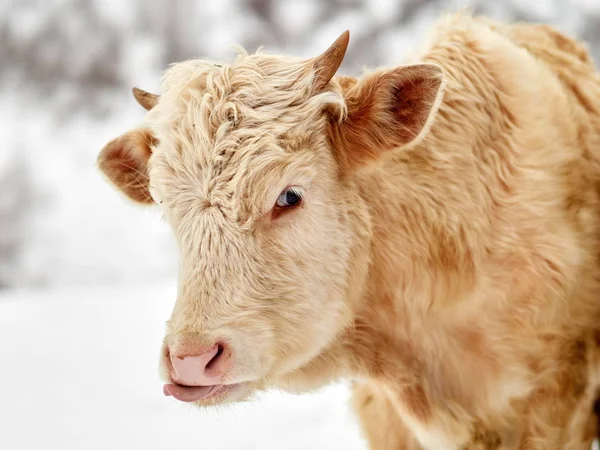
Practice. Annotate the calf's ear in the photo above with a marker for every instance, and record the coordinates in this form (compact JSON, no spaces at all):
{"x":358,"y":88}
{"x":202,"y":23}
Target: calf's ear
{"x":124,"y":161}
{"x":387,"y":109}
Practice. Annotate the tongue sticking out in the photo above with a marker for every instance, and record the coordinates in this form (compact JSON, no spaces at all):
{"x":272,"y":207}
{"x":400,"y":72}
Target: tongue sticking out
{"x":189,"y":393}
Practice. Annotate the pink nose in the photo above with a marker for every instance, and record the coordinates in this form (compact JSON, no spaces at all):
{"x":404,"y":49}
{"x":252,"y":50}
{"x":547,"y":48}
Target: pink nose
{"x":205,"y":367}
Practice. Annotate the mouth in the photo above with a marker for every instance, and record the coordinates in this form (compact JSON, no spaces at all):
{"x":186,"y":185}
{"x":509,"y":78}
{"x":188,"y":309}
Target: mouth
{"x":189,"y":394}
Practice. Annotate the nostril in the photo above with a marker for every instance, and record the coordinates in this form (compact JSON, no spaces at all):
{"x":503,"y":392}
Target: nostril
{"x":214,"y":362}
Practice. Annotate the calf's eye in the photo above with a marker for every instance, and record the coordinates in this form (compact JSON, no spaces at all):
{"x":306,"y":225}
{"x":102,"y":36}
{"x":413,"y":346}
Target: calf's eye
{"x":290,"y":197}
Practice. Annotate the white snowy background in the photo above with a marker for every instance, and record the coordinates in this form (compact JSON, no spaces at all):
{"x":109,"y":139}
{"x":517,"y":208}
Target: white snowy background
{"x":87,"y":278}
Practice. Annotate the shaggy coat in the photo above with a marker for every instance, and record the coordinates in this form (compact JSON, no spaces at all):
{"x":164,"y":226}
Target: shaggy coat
{"x":444,"y":255}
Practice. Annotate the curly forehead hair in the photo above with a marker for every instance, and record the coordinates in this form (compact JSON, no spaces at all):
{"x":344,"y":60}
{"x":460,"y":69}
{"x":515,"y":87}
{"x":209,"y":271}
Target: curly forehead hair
{"x":231,"y":123}
{"x":270,"y":92}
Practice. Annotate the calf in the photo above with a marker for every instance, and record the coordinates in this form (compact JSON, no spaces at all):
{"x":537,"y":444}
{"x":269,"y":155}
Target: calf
{"x":428,"y":231}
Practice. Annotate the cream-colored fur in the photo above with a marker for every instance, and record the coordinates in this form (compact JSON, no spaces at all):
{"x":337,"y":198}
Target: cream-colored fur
{"x":453,"y":273}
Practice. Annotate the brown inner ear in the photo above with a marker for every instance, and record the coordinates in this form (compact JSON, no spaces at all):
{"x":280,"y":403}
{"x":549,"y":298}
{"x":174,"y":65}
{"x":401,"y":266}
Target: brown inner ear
{"x":125,"y":162}
{"x":411,"y":106}
{"x":385,"y":111}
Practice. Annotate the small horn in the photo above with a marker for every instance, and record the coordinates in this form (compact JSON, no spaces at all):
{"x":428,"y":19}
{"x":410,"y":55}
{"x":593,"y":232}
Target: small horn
{"x":327,"y":64}
{"x":146,"y":99}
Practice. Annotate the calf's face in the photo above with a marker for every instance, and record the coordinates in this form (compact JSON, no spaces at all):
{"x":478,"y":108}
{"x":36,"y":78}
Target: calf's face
{"x":251,"y":164}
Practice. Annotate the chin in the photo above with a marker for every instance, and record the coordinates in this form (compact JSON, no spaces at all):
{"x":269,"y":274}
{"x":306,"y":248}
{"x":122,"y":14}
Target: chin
{"x":229,"y":394}
{"x":204,"y":396}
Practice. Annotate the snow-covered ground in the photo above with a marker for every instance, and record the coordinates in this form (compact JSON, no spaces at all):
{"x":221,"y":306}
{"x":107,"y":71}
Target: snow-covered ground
{"x":79,"y":371}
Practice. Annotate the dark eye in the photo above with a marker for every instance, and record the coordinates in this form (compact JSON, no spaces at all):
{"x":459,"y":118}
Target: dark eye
{"x":291,"y":196}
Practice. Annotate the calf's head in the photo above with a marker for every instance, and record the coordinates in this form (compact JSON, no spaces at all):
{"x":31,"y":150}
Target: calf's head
{"x":252,"y":164}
